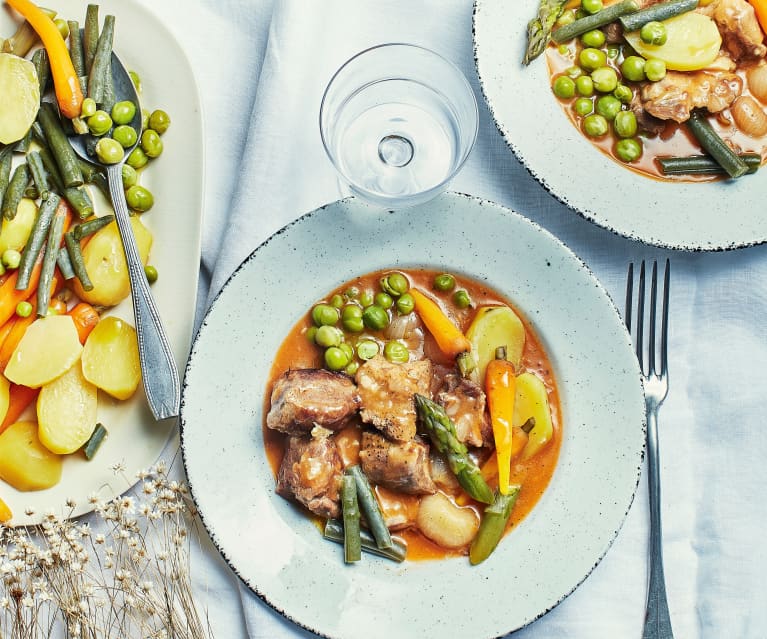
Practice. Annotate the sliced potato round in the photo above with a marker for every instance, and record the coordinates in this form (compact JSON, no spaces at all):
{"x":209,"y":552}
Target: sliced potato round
{"x":495,"y":326}
{"x":48,"y":349}
{"x":66,"y":412}
{"x":532,"y":400}
{"x":446,"y":523}
{"x":110,"y":358}
{"x":24,"y":462}
{"x":15,"y":233}
{"x":19,"y":97}
{"x":693,"y":42}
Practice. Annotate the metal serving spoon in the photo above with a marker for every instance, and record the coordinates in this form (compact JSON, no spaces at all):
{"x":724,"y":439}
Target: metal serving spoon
{"x":158,"y":367}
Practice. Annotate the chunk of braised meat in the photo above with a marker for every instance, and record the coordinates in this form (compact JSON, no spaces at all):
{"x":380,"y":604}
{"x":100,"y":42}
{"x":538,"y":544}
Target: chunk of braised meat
{"x":645,"y":121}
{"x":742,"y":36}
{"x":386,"y":394}
{"x":303,"y":398}
{"x":676,"y":95}
{"x":310,"y":474}
{"x":464,"y":402}
{"x":399,"y":466}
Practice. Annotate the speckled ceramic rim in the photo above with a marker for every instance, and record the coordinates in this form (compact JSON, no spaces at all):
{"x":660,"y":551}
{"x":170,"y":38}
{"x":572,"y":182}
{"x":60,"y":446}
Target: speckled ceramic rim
{"x":715,"y":216}
{"x":300,"y":575}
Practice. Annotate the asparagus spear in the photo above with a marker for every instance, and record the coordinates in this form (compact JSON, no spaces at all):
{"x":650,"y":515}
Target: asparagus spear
{"x":442,"y":433}
{"x":351,"y":514}
{"x":493,"y":525}
{"x":539,"y":28}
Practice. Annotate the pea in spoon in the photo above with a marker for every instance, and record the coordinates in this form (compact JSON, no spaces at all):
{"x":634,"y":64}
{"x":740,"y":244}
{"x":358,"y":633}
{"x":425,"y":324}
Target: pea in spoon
{"x":158,"y":367}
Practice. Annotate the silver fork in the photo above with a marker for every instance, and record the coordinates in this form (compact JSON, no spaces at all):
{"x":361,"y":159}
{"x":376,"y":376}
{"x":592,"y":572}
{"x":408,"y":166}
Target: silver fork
{"x":657,"y":620}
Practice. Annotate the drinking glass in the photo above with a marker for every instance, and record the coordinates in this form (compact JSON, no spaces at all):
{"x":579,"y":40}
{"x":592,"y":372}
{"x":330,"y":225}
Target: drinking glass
{"x":398,"y":121}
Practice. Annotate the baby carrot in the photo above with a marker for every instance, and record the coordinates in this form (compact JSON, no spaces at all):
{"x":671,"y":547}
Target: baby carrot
{"x":450,"y":340}
{"x":85,"y":318}
{"x":500,"y":385}
{"x":20,"y":398}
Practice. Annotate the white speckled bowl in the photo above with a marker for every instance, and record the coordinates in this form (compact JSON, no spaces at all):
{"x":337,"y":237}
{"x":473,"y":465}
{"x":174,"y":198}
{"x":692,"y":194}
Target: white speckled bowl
{"x":706,"y":216}
{"x":281,"y":555}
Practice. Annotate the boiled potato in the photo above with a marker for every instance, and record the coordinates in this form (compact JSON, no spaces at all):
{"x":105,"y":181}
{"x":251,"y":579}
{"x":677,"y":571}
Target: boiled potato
{"x":19,"y":97}
{"x":5,"y":397}
{"x":66,"y":412}
{"x":693,"y":42}
{"x":495,"y":326}
{"x":532,"y":400}
{"x":110,"y":358}
{"x":15,"y":233}
{"x":24,"y":462}
{"x":49,"y":348}
{"x":106,"y":265}
{"x":445,"y":523}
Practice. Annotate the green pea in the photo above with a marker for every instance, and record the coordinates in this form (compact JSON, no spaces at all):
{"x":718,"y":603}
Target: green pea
{"x":591,"y":6}
{"x":567,"y":17}
{"x":129,"y":175}
{"x":311,"y":333}
{"x":126,"y":135}
{"x":324,"y":315}
{"x":109,"y":151}
{"x":88,"y":108}
{"x":395,"y":284}
{"x":395,"y":351}
{"x":583,"y":106}
{"x":366,"y":298}
{"x":11,"y":258}
{"x":151,"y":143}
{"x":595,"y":125}
{"x":123,"y":112}
{"x":328,"y":336}
{"x":351,"y":368}
{"x":605,"y":79}
{"x":99,"y":123}
{"x":613,"y":51}
{"x":633,"y":67}
{"x":144,"y":119}
{"x":351,"y":311}
{"x":337,"y":301}
{"x":375,"y":318}
{"x":335,"y":358}
{"x":63,"y":27}
{"x":348,"y":350}
{"x":594,"y":38}
{"x":625,"y":124}
{"x":24,"y":309}
{"x":563,"y":87}
{"x":563,"y":49}
{"x":352,"y":293}
{"x":444,"y":282}
{"x":653,"y":32}
{"x":151,"y":273}
{"x":384,"y":300}
{"x":609,"y":106}
{"x":136,"y":81}
{"x":655,"y":69}
{"x":405,"y":304}
{"x":353,"y":324}
{"x":624,"y":93}
{"x":574,"y":72}
{"x":461,"y":299}
{"x":591,"y":58}
{"x":137,"y":158}
{"x":629,"y":149}
{"x":159,"y":121}
{"x":585,"y":86}
{"x":139,"y":198}
{"x":367,"y":349}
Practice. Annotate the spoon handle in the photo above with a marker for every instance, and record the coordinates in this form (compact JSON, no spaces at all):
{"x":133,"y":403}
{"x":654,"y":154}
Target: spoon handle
{"x":158,"y":367}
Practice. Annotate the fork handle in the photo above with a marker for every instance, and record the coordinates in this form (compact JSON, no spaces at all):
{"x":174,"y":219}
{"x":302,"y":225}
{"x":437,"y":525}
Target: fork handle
{"x":657,"y":619}
{"x":158,"y":367}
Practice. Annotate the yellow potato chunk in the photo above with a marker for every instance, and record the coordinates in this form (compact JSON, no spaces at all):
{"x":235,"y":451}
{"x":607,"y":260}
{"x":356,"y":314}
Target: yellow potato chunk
{"x":5,"y":397}
{"x":693,"y":42}
{"x":66,"y":412}
{"x":106,"y":265}
{"x":48,"y":349}
{"x":532,"y":400}
{"x":110,"y":358}
{"x":19,"y":97}
{"x":495,"y":326}
{"x":24,"y":462}
{"x":445,"y":523}
{"x":15,"y":233}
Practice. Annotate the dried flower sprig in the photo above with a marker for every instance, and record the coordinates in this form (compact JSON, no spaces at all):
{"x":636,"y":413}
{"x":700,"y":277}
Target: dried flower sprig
{"x":131,"y":580}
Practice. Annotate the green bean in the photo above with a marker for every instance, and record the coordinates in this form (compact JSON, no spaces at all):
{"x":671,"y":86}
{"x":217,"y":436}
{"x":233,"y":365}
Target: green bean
{"x":77,"y":260}
{"x":90,"y":36}
{"x":77,"y":196}
{"x":704,"y":164}
{"x":370,"y":508}
{"x":91,"y":226}
{"x":38,"y":172}
{"x":493,"y":525}
{"x":43,"y":68}
{"x":711,"y":142}
{"x":65,"y":264}
{"x":334,"y":531}
{"x":89,"y":169}
{"x":102,"y":61}
{"x":94,"y":441}
{"x":59,"y":145}
{"x":22,"y":146}
{"x":76,"y":48}
{"x":55,"y":231}
{"x":15,"y":191}
{"x":36,"y":238}
{"x":656,"y":13}
{"x":595,"y":21}
{"x":351,"y":514}
{"x":6,"y":159}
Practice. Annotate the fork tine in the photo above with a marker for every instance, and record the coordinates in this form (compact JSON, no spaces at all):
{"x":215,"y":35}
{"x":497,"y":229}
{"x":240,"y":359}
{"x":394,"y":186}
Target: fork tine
{"x":629,"y":296}
{"x":664,"y":320}
{"x":653,"y":313}
{"x":640,"y":317}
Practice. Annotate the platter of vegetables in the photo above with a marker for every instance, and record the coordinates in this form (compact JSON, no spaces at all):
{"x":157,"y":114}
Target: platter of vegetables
{"x":460,"y":287}
{"x":74,"y":424}
{"x":656,"y":112}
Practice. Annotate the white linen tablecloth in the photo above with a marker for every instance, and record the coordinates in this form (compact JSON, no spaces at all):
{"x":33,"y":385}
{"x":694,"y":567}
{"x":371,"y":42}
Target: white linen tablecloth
{"x":261,"y":66}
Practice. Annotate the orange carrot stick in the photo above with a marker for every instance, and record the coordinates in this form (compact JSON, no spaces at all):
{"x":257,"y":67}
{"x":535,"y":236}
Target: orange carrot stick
{"x":69,"y":95}
{"x":5,"y":329}
{"x":450,"y":340}
{"x":85,"y":318}
{"x":500,"y":386}
{"x":20,"y":398}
